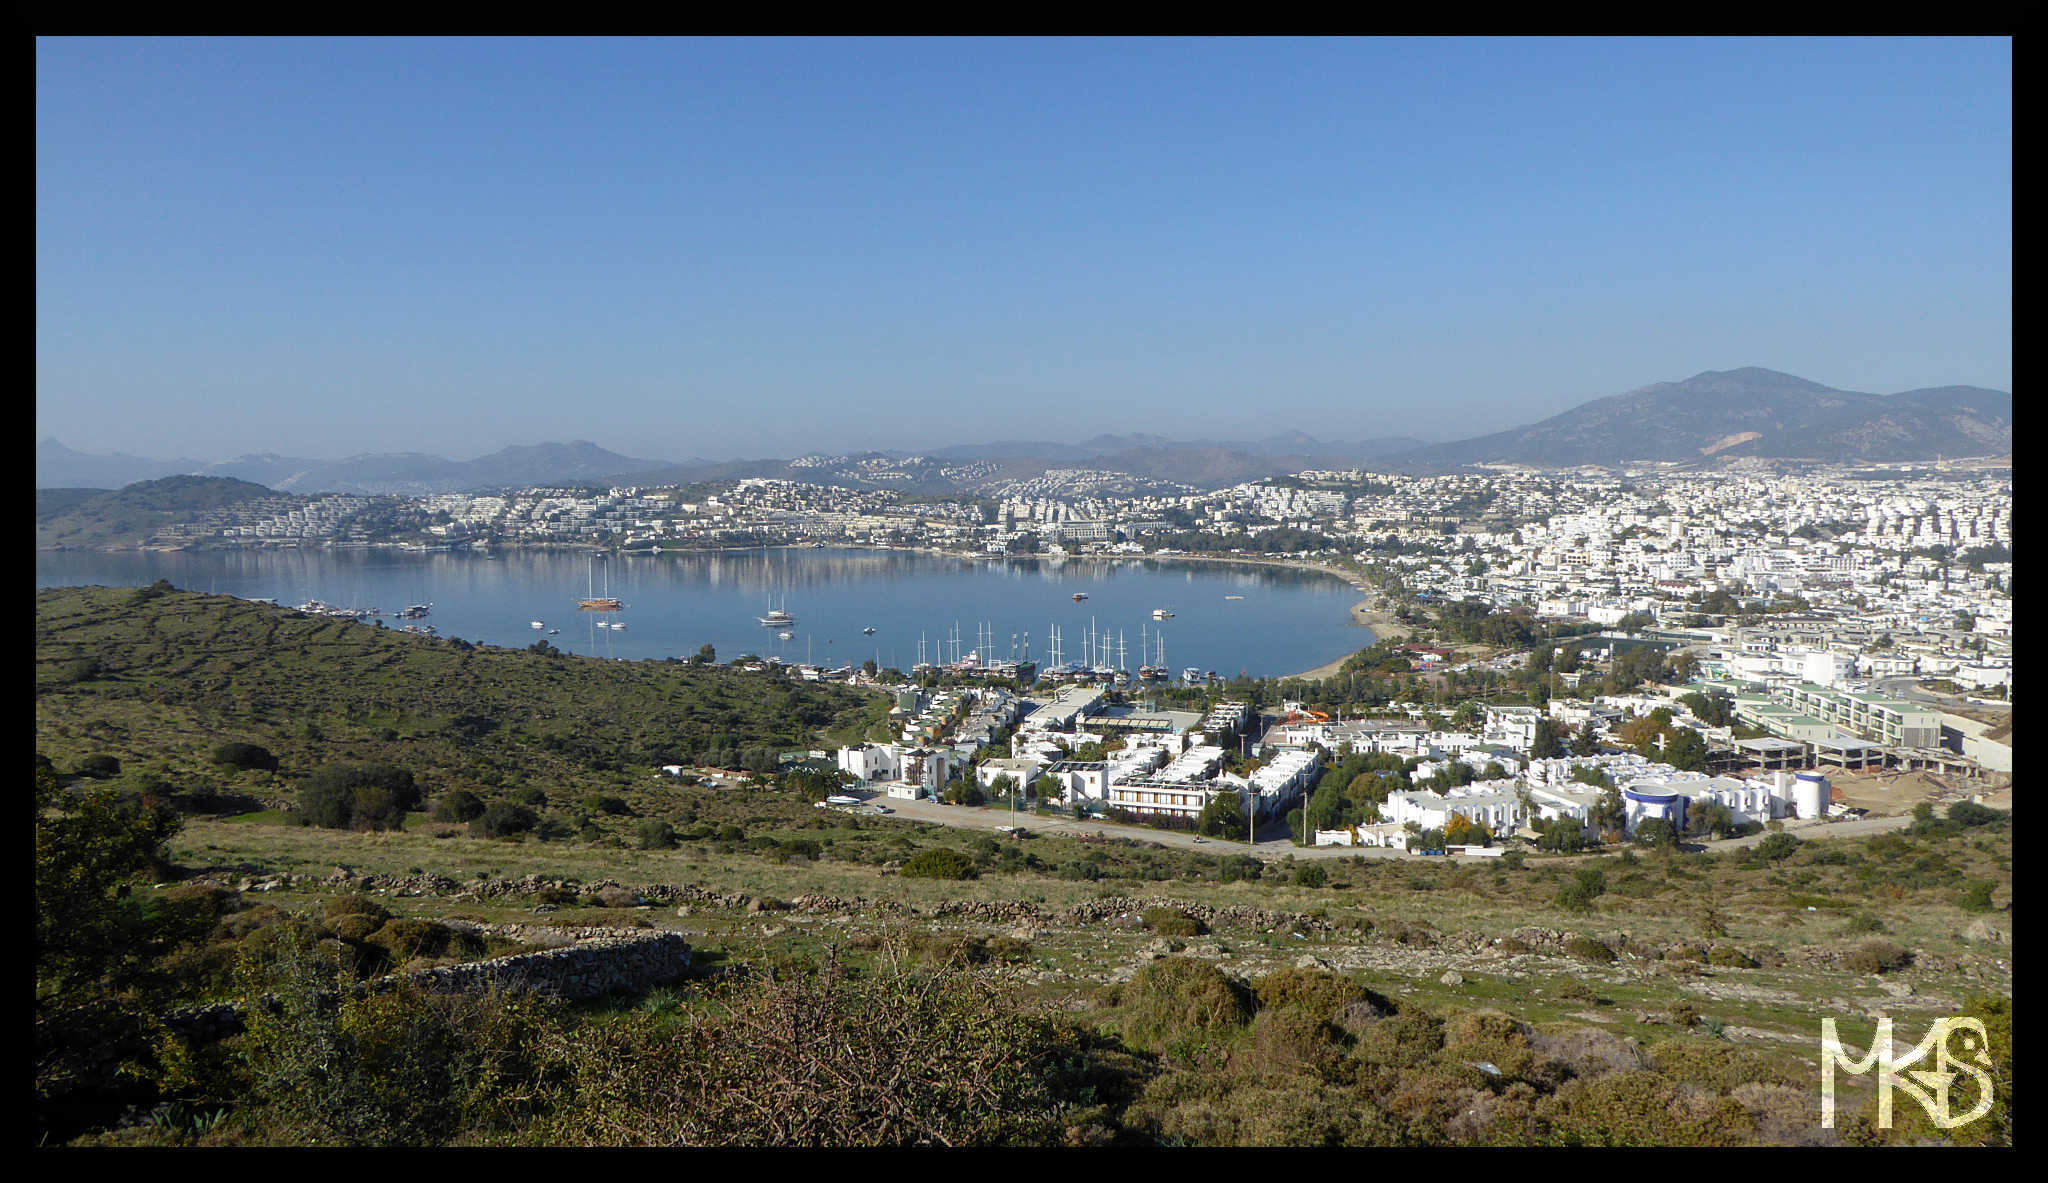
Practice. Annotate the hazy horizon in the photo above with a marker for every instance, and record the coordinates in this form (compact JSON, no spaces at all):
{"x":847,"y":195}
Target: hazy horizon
{"x":747,"y":248}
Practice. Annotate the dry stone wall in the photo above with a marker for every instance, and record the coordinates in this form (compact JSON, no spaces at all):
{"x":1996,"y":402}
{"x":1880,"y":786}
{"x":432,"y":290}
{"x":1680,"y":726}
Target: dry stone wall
{"x":591,"y":967}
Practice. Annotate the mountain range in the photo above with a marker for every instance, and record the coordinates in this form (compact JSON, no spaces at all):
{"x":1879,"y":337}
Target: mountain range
{"x":1709,"y":418}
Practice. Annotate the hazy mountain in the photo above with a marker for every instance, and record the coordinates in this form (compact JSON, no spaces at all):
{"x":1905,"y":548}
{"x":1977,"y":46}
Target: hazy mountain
{"x":409,"y":473}
{"x":1747,"y":412}
{"x":59,"y":467}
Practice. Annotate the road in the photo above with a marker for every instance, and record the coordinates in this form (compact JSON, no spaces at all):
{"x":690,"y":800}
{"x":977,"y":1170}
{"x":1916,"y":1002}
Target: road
{"x":1271,"y":848}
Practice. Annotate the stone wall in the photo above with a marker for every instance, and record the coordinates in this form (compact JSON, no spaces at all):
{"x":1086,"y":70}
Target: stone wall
{"x":591,"y":967}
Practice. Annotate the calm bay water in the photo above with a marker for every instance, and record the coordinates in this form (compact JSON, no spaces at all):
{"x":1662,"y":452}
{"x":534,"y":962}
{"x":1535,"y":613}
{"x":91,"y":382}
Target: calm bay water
{"x":1286,"y":621}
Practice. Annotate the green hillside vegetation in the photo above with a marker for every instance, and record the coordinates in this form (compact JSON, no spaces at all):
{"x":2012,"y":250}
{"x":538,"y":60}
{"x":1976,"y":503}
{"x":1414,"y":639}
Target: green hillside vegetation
{"x":1068,"y":987}
{"x":161,"y":679}
{"x":131,"y":516}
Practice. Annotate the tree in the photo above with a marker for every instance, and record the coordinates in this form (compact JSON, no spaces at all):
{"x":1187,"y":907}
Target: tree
{"x":1685,"y":750}
{"x":1655,"y":831}
{"x":1587,"y":741}
{"x":1608,"y":815}
{"x":1222,"y":817}
{"x":706,"y":655}
{"x":1545,"y":745}
{"x":87,"y":846}
{"x":357,"y":796}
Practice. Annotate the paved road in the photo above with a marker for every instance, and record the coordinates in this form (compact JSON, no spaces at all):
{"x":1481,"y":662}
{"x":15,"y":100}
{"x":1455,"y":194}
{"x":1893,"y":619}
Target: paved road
{"x":1843,"y":829}
{"x":1269,"y":846}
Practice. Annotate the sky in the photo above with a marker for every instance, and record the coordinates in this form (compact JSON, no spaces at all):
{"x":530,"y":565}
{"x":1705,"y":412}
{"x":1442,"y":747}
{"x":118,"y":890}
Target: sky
{"x":721,"y":248}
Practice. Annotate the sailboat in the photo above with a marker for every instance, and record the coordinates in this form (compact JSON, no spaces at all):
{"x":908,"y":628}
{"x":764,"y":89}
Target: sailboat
{"x":594,"y":602}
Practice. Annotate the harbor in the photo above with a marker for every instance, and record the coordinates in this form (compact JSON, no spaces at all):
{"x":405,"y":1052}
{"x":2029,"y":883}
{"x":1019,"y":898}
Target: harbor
{"x":839,"y":607}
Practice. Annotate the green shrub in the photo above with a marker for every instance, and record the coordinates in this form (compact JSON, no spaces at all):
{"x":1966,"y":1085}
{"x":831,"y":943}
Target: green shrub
{"x":940,"y":862}
{"x":1863,"y":922}
{"x":1778,"y":847}
{"x":1589,"y":949}
{"x":503,"y":819}
{"x":1730,"y":957}
{"x":1311,"y":875}
{"x":354,"y":927}
{"x":1173,"y":922}
{"x":655,"y":834}
{"x":1318,"y":992}
{"x":357,"y":796}
{"x":245,"y":755}
{"x":406,"y":937}
{"x":461,"y":805}
{"x":101,"y":767}
{"x":1176,"y":998}
{"x":353,"y":904}
{"x":615,"y":806}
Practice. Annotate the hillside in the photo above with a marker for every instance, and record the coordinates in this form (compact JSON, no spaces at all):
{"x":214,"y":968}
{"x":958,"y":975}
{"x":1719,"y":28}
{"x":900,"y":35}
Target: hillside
{"x":1747,"y":412}
{"x":1066,"y":986}
{"x":165,"y":678}
{"x":131,"y":516}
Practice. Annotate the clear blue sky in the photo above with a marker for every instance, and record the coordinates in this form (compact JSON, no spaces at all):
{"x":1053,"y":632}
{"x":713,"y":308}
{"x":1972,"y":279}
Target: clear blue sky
{"x":768,"y":247}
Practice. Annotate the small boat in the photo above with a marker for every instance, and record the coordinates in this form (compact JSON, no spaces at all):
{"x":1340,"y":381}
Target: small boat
{"x":618,"y":626}
{"x":1161,"y":614}
{"x":538,"y":624}
{"x":787,"y":636}
{"x":554,"y":632}
{"x":868,"y":631}
{"x":1079,"y":596}
{"x":1233,"y":597}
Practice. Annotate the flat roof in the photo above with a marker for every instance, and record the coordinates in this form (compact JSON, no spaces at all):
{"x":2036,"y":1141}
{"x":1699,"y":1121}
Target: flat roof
{"x":1769,"y":744}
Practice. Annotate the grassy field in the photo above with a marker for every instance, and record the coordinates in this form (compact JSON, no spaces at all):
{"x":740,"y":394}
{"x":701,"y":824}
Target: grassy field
{"x":1728,"y":960}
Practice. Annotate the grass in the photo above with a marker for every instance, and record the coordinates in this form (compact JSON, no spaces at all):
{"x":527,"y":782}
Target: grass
{"x":167,"y":698}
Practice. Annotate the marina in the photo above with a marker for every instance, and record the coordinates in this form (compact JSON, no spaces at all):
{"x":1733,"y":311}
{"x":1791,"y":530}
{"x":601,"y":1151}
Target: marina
{"x":895,"y":608}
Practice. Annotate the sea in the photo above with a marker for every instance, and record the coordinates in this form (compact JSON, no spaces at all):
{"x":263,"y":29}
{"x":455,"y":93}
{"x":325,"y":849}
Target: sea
{"x":1232,"y":618}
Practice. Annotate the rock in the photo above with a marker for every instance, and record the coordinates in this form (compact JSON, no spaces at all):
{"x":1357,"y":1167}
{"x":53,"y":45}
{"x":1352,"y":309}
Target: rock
{"x":1898,"y":989}
{"x":686,"y":911}
{"x":1310,"y":961}
{"x":1452,"y":978}
{"x":1980,"y":930}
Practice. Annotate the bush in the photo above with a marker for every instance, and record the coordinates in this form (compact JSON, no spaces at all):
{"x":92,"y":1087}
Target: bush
{"x":101,"y":767}
{"x":615,"y":806}
{"x":940,"y":862}
{"x":899,"y":1059}
{"x":1176,"y":998}
{"x":503,"y":819}
{"x":1311,"y":875}
{"x":353,"y":904}
{"x":1876,"y":957}
{"x":245,"y":755}
{"x":1318,"y":993}
{"x":458,"y":806}
{"x":1730,"y":957}
{"x":1778,"y":847}
{"x":1977,"y":897}
{"x":655,"y":834}
{"x":1173,"y":922}
{"x":357,"y":796}
{"x":1588,"y":949}
{"x":1969,"y":813}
